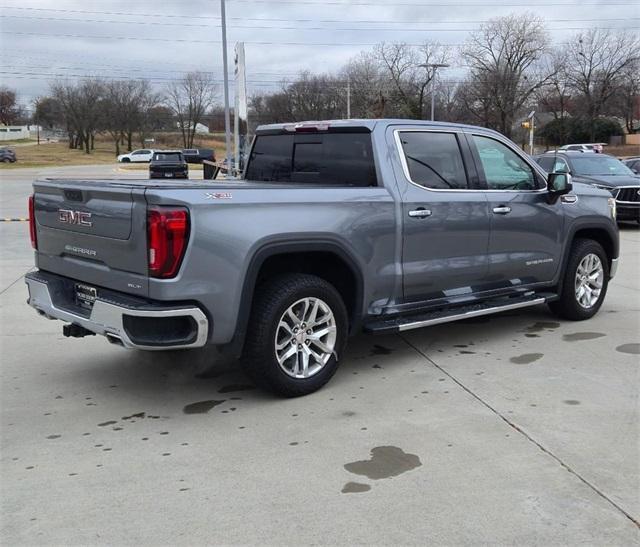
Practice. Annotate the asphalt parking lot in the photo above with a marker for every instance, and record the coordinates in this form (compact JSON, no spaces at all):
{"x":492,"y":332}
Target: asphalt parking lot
{"x":514,"y":429}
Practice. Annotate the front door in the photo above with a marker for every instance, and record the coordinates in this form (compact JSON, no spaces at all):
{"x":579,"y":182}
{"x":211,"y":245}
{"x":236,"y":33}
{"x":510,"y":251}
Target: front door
{"x":445,"y":220}
{"x":526,"y":227}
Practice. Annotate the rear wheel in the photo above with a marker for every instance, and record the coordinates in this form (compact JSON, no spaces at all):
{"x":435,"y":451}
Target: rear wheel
{"x":297,"y":331}
{"x":585,"y":282}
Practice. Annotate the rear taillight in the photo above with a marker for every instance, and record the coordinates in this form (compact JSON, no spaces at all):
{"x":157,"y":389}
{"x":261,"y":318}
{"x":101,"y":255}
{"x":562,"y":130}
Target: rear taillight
{"x":167,"y":235}
{"x":32,"y":224}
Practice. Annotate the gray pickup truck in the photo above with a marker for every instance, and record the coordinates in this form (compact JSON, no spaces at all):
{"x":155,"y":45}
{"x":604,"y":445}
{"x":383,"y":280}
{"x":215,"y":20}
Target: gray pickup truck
{"x":337,"y":227}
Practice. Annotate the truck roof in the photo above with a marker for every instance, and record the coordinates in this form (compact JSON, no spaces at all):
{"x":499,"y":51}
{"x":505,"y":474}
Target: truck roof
{"x":368,"y":124}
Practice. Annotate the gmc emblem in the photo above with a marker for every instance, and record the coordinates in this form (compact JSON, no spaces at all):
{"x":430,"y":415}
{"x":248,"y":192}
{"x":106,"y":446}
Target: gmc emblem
{"x":67,"y":216}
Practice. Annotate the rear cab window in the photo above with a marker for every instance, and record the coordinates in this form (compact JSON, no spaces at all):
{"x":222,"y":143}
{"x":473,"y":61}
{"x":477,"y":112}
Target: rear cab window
{"x":323,"y":158}
{"x":167,"y":156}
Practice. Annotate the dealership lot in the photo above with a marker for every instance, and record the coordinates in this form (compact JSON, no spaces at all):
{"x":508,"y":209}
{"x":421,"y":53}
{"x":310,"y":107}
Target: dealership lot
{"x":517,"y":428}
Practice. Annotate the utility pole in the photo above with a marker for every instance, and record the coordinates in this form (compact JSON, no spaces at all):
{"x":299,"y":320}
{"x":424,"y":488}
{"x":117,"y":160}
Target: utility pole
{"x":348,"y":98}
{"x":532,"y":126}
{"x":227,"y":119}
{"x":435,"y":67}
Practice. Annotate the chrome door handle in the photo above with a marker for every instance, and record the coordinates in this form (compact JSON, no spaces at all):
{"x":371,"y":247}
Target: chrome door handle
{"x":502,"y":210}
{"x":420,"y":213}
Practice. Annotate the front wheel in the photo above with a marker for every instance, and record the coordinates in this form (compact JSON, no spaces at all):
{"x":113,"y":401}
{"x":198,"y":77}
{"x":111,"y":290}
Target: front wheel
{"x":585,"y":282}
{"x":297,"y":331}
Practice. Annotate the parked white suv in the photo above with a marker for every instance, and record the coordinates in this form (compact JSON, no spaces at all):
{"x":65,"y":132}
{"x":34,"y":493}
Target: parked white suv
{"x":137,"y":156}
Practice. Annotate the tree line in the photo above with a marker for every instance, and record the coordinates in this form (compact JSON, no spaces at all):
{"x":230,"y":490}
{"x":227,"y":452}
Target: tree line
{"x":511,"y":68}
{"x":127,"y":110}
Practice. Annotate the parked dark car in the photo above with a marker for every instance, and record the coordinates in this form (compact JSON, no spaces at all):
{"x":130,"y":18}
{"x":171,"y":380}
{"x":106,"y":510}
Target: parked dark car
{"x":196,"y":155}
{"x":168,"y":164}
{"x":633,"y":164}
{"x":7,"y":155}
{"x":603,"y":171}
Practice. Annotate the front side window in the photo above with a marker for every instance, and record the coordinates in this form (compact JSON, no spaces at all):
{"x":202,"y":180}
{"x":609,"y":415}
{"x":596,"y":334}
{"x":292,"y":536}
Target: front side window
{"x":503,"y":168}
{"x":434,"y":159}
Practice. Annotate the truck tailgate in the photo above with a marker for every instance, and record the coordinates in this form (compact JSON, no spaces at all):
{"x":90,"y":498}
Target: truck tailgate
{"x":93,"y":231}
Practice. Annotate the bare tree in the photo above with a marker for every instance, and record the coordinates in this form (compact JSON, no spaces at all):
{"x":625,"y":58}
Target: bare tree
{"x":597,"y":62}
{"x":503,"y":58}
{"x":369,"y":88}
{"x":9,"y":111}
{"x":190,"y":99}
{"x":555,"y":96}
{"x":410,"y":72}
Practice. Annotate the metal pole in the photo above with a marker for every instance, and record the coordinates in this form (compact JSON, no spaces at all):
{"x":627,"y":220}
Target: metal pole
{"x":433,"y":93}
{"x":348,"y":98}
{"x":227,"y":120}
{"x":531,"y":130}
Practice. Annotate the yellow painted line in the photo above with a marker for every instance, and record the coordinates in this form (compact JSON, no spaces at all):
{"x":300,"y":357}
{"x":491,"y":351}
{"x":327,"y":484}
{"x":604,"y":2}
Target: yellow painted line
{"x":14,"y":220}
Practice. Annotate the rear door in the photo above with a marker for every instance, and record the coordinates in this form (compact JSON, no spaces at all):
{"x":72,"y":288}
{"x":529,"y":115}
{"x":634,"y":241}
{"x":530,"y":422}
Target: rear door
{"x":525,"y":244}
{"x":445,"y":217}
{"x":93,"y":231}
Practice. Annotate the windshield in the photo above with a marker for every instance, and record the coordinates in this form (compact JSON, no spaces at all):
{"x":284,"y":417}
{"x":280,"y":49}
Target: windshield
{"x":599,"y":165}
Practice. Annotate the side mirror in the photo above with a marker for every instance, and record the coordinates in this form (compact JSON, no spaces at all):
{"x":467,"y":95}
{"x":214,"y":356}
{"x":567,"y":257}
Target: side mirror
{"x":559,"y":184}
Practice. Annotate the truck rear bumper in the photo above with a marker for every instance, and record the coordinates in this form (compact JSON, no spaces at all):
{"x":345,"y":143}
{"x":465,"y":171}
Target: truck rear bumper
{"x":124,"y":320}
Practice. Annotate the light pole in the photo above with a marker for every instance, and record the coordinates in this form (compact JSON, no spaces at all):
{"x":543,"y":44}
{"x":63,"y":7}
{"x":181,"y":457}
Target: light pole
{"x":227,"y":119}
{"x":435,"y":67}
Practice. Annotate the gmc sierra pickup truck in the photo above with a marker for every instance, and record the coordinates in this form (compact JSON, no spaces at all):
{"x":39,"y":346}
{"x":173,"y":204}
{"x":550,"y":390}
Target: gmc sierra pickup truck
{"x":337,"y":227}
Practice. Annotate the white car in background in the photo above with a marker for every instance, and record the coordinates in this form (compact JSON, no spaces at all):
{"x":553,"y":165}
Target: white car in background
{"x":597,"y":147}
{"x":143,"y":155}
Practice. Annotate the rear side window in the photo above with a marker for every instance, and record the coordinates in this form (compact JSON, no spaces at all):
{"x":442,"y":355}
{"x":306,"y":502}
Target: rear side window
{"x":336,"y":159}
{"x":434,"y":159}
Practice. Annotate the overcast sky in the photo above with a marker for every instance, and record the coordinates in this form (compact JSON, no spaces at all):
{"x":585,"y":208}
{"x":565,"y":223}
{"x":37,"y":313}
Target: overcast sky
{"x":45,"y":39}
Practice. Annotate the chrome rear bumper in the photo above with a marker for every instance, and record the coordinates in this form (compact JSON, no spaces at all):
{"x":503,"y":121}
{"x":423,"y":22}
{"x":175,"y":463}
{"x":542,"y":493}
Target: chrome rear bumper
{"x":110,"y":319}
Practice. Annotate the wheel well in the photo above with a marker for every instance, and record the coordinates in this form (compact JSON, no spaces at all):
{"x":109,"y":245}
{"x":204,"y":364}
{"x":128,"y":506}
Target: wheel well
{"x":601,"y":237}
{"x":324,"y":264}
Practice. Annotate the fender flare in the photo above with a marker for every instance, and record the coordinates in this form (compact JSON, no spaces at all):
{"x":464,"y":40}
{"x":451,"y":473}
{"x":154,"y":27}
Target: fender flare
{"x":604,"y":226}
{"x":288,"y":245}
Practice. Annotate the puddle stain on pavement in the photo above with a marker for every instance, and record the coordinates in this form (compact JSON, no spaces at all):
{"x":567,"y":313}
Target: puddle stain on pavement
{"x":355,"y":488}
{"x":201,"y":407}
{"x":526,"y":358}
{"x":579,"y":336}
{"x":632,"y":349}
{"x":385,"y":462}
{"x":540,"y":326}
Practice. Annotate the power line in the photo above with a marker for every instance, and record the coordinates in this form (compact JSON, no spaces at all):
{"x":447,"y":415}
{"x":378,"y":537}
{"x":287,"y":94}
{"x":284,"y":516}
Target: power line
{"x":340,"y":29}
{"x":366,"y":21}
{"x":192,"y":41}
{"x":268,"y":43}
{"x":217,"y":17}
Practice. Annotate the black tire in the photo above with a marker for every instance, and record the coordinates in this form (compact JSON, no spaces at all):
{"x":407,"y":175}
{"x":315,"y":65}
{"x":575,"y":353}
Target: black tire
{"x":6,"y":160}
{"x":125,"y":160}
{"x":273,"y":298}
{"x":568,"y":306}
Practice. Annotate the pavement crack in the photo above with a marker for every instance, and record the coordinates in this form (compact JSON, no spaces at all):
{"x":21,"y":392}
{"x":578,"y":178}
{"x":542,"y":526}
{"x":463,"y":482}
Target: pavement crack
{"x":522,"y":432}
{"x":14,"y":282}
